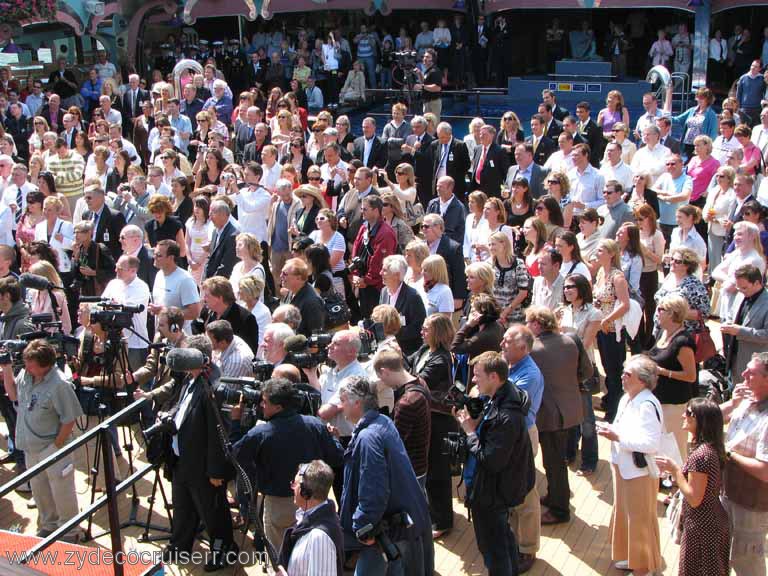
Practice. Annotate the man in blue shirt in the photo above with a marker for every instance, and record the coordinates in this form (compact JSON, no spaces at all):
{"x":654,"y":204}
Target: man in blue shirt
{"x":749,"y":92}
{"x":380,"y":485}
{"x":181,"y":123}
{"x":525,"y":519}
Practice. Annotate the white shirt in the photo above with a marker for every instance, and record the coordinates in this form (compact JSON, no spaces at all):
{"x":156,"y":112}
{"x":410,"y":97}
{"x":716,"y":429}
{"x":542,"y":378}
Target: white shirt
{"x":6,"y":226}
{"x":68,"y":237}
{"x":178,"y":419}
{"x":263,"y":319}
{"x":722,"y":147}
{"x":652,"y":161}
{"x":621,"y":173}
{"x":271,"y":175}
{"x":178,"y":289}
{"x":253,"y":211}
{"x":330,"y":382}
{"x":113,"y":117}
{"x":760,"y":137}
{"x":367,"y":149}
{"x":559,"y":162}
{"x":10,"y":196}
{"x":639,"y":423}
{"x":587,"y":187}
{"x":134,"y":294}
{"x":236,"y":361}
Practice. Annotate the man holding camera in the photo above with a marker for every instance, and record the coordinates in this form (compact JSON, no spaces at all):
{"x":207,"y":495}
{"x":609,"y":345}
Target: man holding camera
{"x":199,"y":468}
{"x":499,"y":470}
{"x":375,"y":241}
{"x":48,"y":408}
{"x":383,"y":508}
{"x":431,"y":84}
{"x":315,"y":544}
{"x":271,"y":452}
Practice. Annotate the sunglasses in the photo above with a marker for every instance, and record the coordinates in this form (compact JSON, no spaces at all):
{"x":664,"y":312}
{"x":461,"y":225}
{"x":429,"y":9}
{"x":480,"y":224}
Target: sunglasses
{"x":426,"y":226}
{"x":569,"y":287}
{"x":321,"y":219}
{"x":553,"y":181}
{"x":314,"y":178}
{"x":675,"y":261}
{"x":539,"y":208}
{"x":608,"y":192}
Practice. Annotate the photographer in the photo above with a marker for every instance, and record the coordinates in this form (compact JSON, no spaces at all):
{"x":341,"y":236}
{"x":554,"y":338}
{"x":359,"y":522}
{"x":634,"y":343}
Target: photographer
{"x":14,"y":321}
{"x":230,"y":352}
{"x":199,"y":469}
{"x":48,"y":409}
{"x":169,"y":332}
{"x":132,"y":200}
{"x":411,"y":412}
{"x":375,"y":241}
{"x":93,"y":265}
{"x":499,"y":470}
{"x":380,"y":487}
{"x":431,"y":84}
{"x":315,"y":544}
{"x":272,"y":450}
{"x":128,"y":289}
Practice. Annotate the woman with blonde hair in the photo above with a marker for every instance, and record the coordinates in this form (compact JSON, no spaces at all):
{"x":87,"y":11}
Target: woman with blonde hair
{"x":405,"y":186}
{"x":748,"y":250}
{"x":620,"y":133}
{"x":512,"y":282}
{"x":353,"y":90}
{"x":40,"y":126}
{"x":475,"y":228}
{"x":559,"y":187}
{"x":652,"y":241}
{"x":393,"y":215}
{"x":248,"y":250}
{"x":251,"y":293}
{"x":614,"y":112}
{"x":164,"y":225}
{"x":611,"y":297}
{"x":41,"y":300}
{"x":719,"y":203}
{"x":439,"y":298}
{"x":415,"y":253}
{"x":472,"y":139}
{"x":510,"y":134}
{"x":389,"y":318}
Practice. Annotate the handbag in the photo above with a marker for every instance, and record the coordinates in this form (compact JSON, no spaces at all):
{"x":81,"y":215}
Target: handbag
{"x":705,"y":346}
{"x":674,"y":516}
{"x":414,"y":213}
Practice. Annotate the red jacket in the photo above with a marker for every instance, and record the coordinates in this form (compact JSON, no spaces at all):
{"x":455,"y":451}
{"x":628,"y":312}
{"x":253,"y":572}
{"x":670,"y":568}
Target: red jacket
{"x":384,"y":244}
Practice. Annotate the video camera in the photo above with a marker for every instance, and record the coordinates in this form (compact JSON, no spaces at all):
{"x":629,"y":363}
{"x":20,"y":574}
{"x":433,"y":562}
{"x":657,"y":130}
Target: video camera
{"x":454,"y":445}
{"x":231,"y":391}
{"x":406,"y":58}
{"x":11,"y":352}
{"x":307,"y":352}
{"x":371,"y":333}
{"x":112,"y":316}
{"x":382,"y":533}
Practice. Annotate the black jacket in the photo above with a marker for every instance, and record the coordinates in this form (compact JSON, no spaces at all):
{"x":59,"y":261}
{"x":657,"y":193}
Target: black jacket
{"x":312,"y":310}
{"x":554,"y":129}
{"x":421,"y":160}
{"x":378,"y":155}
{"x":593,"y":134}
{"x":502,"y":450}
{"x":108,"y":229}
{"x":495,"y":167}
{"x":456,"y":164}
{"x":324,"y":518}
{"x":453,"y":254}
{"x":544,"y":150}
{"x":272,"y":451}
{"x":437,"y":374}
{"x":243,"y":324}
{"x":222,"y":258}
{"x":411,"y":306}
{"x":455,"y":218}
{"x":129,"y":112}
{"x":147,"y":270}
{"x":252,"y":152}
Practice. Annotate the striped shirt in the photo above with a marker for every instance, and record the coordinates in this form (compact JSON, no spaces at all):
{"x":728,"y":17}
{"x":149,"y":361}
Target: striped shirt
{"x":68,"y":173}
{"x":236,"y":361}
{"x":313,"y":555}
{"x":412,"y":420}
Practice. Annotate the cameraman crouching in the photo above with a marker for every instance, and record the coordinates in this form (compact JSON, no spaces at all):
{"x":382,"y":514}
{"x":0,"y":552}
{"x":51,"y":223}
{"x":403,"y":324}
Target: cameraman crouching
{"x":272,"y":451}
{"x":499,"y":470}
{"x":199,"y":469}
{"x":48,"y":408}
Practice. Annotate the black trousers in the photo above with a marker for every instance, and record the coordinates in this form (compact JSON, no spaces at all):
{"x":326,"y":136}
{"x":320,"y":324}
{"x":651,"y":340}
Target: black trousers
{"x":369,"y":299}
{"x":194,"y":500}
{"x":495,"y":540}
{"x":553,"y":457}
{"x":439,"y":480}
{"x":649,"y":284}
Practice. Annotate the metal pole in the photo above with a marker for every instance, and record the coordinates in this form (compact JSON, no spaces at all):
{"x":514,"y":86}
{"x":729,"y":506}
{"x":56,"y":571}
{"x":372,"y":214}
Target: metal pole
{"x":240,"y":27}
{"x":701,"y":44}
{"x":112,"y":511}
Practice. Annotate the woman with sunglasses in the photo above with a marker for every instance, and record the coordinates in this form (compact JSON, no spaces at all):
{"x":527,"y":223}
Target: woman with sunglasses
{"x":474,"y":229}
{"x":327,"y":234}
{"x":685,"y":234}
{"x":33,"y":215}
{"x":720,"y":201}
{"x":652,"y":241}
{"x":199,"y":140}
{"x":559,"y":187}
{"x":512,"y":284}
{"x":35,"y":141}
{"x":312,"y":202}
{"x":199,"y":231}
{"x":683,"y":280}
{"x":297,"y":156}
{"x":510,"y":134}
{"x":344,"y":135}
{"x":281,"y":125}
{"x":393,"y":215}
{"x":674,"y":353}
{"x":405,"y":186}
{"x":548,"y":212}
{"x":620,"y":133}
{"x":579,"y":316}
{"x":706,"y":542}
{"x":641,"y":193}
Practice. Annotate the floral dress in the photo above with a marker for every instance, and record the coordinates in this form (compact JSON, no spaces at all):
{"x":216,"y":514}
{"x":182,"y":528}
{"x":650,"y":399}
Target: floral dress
{"x":694,"y":292}
{"x":509,"y":282}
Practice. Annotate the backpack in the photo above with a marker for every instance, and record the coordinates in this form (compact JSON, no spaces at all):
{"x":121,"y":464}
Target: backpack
{"x":336,"y":310}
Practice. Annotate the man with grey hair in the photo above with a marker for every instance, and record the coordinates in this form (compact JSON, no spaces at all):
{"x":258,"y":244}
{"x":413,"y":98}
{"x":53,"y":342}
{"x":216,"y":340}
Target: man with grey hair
{"x":70,"y":129}
{"x":449,"y":158}
{"x":416,"y":152}
{"x":379,"y":481}
{"x":450,"y":208}
{"x":274,"y":342}
{"x":245,"y":131}
{"x":282,"y":216}
{"x":452,"y":252}
{"x":222,"y":256}
{"x":133,"y":203}
{"x":651,"y":157}
{"x":132,"y":243}
{"x":406,"y":301}
{"x":287,"y":314}
{"x":369,"y":148}
{"x":132,"y":98}
{"x":110,"y":114}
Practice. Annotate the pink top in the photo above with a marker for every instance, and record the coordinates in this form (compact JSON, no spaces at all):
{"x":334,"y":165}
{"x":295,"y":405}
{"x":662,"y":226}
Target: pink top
{"x":752,"y":154}
{"x":41,"y":303}
{"x":701,"y":173}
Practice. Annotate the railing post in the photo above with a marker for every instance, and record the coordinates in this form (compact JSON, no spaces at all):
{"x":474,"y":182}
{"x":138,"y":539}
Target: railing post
{"x":112,"y":511}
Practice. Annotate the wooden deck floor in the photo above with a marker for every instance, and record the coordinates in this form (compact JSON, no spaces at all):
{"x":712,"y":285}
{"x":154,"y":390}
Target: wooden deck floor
{"x":580,"y":547}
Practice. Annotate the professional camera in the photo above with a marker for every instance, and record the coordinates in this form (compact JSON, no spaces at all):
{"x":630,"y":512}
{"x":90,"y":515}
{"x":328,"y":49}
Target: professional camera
{"x":231,"y":391}
{"x":371,"y":334}
{"x":406,"y":58}
{"x":384,"y":531}
{"x":358,"y":266}
{"x":454,"y":445}
{"x":313,"y":353}
{"x":11,"y":352}
{"x":459,"y":399}
{"x":262,"y":370}
{"x":164,"y":424}
{"x":113,"y":318}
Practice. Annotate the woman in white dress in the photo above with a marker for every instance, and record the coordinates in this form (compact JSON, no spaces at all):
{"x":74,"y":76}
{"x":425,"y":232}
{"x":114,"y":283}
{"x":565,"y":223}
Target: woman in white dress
{"x":58,"y":233}
{"x":248,"y":249}
{"x":198,"y":237}
{"x":476,"y":226}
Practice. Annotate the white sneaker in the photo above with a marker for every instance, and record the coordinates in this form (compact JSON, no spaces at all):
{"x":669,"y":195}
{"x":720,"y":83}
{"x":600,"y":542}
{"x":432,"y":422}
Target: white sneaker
{"x":621,"y":565}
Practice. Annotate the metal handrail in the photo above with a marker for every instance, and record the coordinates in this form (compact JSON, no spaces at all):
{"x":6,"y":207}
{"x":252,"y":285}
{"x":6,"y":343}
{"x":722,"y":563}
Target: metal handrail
{"x":685,"y":88}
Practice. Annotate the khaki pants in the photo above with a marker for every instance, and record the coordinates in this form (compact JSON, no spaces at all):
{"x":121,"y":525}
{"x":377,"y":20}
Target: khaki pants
{"x":673,"y":421}
{"x":72,"y":200}
{"x":53,"y":489}
{"x":748,"y":531}
{"x":434,"y":106}
{"x":634,"y":525}
{"x":525,"y":519}
{"x":279,"y":515}
{"x":276,"y":263}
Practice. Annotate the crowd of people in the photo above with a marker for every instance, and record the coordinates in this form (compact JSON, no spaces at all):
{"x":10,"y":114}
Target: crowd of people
{"x":245,"y":232}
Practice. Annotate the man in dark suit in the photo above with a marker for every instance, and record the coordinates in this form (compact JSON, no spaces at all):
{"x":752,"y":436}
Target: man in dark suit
{"x":479,"y":48}
{"x":450,"y":208}
{"x":295,"y":276}
{"x":416,"y":152}
{"x":490,"y":165}
{"x":252,"y":150}
{"x":449,"y":158}
{"x":369,"y":148}
{"x":548,"y":97}
{"x":254,"y":71}
{"x":62,"y":81}
{"x":406,"y":301}
{"x":592,"y":133}
{"x":552,"y":126}
{"x":70,"y":129}
{"x":542,"y":145}
{"x":666,"y":138}
{"x":220,"y":304}
{"x":108,"y":222}
{"x":245,"y":131}
{"x":132,"y":100}
{"x":132,"y":243}
{"x":526,"y":168}
{"x":742,"y":187}
{"x":571,"y":125}
{"x":199,"y":468}
{"x":222,"y":257}
{"x":451,"y":251}
{"x":53,"y":113}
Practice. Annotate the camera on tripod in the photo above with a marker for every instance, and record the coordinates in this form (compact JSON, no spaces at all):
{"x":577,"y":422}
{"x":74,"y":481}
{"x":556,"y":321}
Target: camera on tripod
{"x":406,"y":58}
{"x":458,"y":398}
{"x":384,"y":531}
{"x":164,"y":424}
{"x":115,"y":317}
